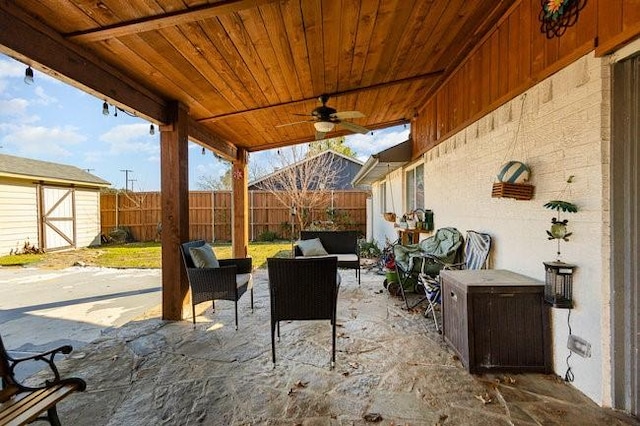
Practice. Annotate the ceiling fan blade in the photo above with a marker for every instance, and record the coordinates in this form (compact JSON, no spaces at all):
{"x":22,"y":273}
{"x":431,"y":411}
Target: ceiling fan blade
{"x":342,"y":115}
{"x":354,"y":127}
{"x":291,"y":124}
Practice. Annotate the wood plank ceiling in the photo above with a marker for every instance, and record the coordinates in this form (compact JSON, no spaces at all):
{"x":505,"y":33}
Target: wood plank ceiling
{"x":243,"y":67}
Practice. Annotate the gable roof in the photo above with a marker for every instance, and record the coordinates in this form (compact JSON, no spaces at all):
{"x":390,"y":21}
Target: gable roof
{"x":297,"y":164}
{"x":27,"y":168}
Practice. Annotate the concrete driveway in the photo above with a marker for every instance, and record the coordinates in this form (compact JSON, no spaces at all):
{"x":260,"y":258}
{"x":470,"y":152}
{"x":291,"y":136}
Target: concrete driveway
{"x":41,"y":308}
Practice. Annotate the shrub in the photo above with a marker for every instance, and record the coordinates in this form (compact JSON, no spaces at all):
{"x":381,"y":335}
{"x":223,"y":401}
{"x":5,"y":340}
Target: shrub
{"x":369,"y":249}
{"x":268,"y":236}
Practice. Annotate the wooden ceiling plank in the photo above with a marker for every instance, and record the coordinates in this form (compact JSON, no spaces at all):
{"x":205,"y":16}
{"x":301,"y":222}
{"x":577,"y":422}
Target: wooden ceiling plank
{"x":419,"y":25}
{"x":177,"y":68}
{"x":331,"y":24}
{"x":255,"y":25}
{"x":218,"y":71}
{"x":157,"y":22}
{"x":294,"y":27}
{"x":276,"y":31}
{"x":432,"y":75}
{"x":32,"y":42}
{"x":383,"y":50}
{"x":348,"y":33}
{"x":242,"y":46}
{"x":415,"y":59}
{"x":224,"y":56}
{"x":47,"y":11}
{"x":312,"y":21}
{"x":366,"y":23}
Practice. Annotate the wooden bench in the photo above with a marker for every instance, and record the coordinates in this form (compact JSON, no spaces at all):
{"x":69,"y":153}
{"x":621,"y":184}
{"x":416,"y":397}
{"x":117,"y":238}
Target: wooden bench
{"x":343,"y":244}
{"x":21,"y":404}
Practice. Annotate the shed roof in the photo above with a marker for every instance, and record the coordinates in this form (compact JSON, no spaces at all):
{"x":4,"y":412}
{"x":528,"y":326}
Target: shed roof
{"x":27,"y":168}
{"x":383,"y":163}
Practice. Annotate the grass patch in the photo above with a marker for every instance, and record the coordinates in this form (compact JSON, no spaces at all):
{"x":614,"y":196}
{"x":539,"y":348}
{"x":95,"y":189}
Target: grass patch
{"x":136,"y":255}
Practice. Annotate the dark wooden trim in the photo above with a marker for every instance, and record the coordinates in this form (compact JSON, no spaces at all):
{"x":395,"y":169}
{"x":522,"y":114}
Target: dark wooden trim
{"x":174,"y":160}
{"x":171,"y":19}
{"x":198,"y":133}
{"x":608,"y":46}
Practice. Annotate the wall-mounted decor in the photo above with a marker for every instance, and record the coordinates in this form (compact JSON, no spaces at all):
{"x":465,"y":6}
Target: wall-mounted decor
{"x":558,"y":230}
{"x":558,"y":15}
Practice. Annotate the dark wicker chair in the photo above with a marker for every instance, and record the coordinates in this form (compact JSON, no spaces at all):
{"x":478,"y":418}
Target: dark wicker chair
{"x":228,"y":282}
{"x":303,"y":289}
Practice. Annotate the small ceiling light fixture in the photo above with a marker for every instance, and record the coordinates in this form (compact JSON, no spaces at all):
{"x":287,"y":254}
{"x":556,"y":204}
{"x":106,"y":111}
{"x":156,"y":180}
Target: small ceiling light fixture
{"x":152,"y":130}
{"x":203,"y":151}
{"x":28,"y":75}
{"x":323,"y":126}
{"x":105,"y":108}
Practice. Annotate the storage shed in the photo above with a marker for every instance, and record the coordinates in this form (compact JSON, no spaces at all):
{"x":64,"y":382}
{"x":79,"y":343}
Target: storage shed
{"x":51,"y":206}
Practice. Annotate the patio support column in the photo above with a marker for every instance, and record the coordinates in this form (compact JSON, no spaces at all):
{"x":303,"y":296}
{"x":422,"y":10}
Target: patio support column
{"x":175,"y":210}
{"x":240,"y":205}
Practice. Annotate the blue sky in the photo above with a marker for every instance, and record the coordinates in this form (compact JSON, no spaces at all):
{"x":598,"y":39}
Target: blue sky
{"x":52,"y":121}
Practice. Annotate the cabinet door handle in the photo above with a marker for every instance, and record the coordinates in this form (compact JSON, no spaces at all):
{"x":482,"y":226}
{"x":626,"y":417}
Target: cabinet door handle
{"x":454,"y":297}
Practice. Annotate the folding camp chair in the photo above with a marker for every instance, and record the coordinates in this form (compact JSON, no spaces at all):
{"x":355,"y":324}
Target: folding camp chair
{"x":428,"y":257}
{"x":476,"y":254}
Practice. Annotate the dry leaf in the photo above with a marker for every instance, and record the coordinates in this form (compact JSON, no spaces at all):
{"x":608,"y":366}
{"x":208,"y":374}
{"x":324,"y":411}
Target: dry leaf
{"x":509,"y":379}
{"x":345,"y":373}
{"x":114,"y":358}
{"x":373,"y":417}
{"x":486,"y":399}
{"x":354,"y":365}
{"x":301,"y":384}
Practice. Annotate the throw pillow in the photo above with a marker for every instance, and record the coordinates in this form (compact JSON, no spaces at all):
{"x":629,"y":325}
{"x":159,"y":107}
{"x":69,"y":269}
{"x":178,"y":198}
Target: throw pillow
{"x":312,"y":247}
{"x":204,"y":257}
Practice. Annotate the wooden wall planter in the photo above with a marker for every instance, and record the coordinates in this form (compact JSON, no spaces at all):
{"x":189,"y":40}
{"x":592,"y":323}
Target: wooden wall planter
{"x":519,"y":191}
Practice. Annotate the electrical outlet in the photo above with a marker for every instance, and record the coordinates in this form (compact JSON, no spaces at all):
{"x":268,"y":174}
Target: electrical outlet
{"x":579,"y":346}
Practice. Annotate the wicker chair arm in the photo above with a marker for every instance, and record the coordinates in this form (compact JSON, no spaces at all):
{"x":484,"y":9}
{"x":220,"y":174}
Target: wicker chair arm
{"x":244,"y":264}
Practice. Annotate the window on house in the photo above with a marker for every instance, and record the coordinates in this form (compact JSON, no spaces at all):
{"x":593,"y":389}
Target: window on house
{"x":383,"y":197}
{"x":415,"y":188}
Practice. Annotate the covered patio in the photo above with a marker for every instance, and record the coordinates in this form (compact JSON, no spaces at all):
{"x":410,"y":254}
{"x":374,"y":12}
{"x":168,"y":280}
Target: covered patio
{"x":239,"y":76}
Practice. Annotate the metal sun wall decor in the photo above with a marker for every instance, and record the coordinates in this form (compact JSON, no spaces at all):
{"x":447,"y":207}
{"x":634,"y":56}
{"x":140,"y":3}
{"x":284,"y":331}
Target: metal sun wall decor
{"x":558,"y":15}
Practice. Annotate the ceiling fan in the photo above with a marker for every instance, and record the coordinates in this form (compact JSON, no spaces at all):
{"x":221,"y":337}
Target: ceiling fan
{"x":325,"y":118}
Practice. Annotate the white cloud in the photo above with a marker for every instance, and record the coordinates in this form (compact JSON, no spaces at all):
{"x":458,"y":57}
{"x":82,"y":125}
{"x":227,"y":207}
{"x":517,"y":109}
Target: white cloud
{"x":130,"y":138}
{"x":43,"y":98}
{"x":11,"y":68}
{"x":15,"y":107}
{"x":366,"y":145}
{"x":39,"y":140}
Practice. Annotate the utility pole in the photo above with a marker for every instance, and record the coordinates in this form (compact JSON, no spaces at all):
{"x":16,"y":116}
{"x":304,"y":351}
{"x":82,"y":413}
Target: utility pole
{"x":89,"y":170}
{"x":126,"y":178}
{"x":132,"y":180}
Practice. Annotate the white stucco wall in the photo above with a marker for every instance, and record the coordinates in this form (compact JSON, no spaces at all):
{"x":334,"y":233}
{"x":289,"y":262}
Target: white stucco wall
{"x":383,"y":231}
{"x":564,"y":131}
{"x":18,"y":215}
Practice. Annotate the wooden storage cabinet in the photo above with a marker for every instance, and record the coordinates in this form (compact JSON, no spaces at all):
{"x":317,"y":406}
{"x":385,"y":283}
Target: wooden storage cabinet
{"x":496,"y":320}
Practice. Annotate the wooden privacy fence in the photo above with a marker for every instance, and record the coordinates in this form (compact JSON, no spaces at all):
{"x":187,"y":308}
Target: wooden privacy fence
{"x":210,"y":214}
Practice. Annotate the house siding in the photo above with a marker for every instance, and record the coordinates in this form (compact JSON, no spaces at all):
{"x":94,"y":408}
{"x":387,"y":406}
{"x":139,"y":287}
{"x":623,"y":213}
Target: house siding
{"x":18,"y":215}
{"x":564,"y":131}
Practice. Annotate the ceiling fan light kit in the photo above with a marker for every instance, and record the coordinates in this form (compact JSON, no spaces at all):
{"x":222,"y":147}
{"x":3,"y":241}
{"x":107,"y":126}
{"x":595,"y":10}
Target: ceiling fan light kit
{"x":323,"y":126}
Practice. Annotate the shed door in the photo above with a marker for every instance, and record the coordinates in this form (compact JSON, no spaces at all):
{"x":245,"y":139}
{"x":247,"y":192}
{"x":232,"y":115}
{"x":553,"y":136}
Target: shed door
{"x":57,"y":218}
{"x":625,"y":239}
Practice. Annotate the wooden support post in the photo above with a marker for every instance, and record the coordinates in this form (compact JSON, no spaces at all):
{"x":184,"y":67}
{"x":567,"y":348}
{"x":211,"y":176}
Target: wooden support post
{"x":174,"y":163}
{"x":240,"y":205}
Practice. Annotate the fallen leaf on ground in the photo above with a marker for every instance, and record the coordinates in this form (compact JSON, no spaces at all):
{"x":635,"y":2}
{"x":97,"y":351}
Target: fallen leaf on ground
{"x":486,"y":399}
{"x":345,"y":373}
{"x":354,"y":365}
{"x":373,"y":417}
{"x":301,"y":384}
{"x":114,"y":358}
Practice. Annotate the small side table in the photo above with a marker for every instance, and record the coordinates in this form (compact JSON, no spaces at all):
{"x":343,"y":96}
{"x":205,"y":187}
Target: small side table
{"x":410,"y":236}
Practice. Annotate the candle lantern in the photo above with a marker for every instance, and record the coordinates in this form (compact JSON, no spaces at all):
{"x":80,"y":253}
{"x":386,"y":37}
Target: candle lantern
{"x":558,"y":287}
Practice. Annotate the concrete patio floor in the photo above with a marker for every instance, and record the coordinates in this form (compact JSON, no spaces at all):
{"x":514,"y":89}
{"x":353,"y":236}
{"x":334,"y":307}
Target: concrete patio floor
{"x":391,"y":366}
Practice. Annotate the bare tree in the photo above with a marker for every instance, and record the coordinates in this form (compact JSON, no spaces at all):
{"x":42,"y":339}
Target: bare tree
{"x":302,"y":183}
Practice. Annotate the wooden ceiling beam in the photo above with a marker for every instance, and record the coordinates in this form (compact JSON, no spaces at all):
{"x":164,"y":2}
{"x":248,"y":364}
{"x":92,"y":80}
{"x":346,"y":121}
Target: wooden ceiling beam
{"x":201,"y":135}
{"x":171,"y":19}
{"x":31,"y":42}
{"x":332,"y":95}
{"x":334,"y":134}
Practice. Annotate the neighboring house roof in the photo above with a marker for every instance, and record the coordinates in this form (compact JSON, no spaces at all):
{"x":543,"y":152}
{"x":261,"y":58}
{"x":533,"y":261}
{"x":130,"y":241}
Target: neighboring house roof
{"x":344,"y":182}
{"x":381,"y":164}
{"x":26,"y":168}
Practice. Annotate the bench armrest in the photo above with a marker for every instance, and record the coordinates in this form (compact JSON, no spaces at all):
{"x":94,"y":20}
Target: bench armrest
{"x":46,"y":357}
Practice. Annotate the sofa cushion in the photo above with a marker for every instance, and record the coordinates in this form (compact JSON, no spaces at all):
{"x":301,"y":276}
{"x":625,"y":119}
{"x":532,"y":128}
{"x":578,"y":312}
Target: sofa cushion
{"x":312,"y":247}
{"x":204,"y":257}
{"x":347,"y":257}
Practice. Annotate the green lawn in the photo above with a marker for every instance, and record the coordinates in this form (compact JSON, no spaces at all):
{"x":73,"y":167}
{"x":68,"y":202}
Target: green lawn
{"x":137,"y":255}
